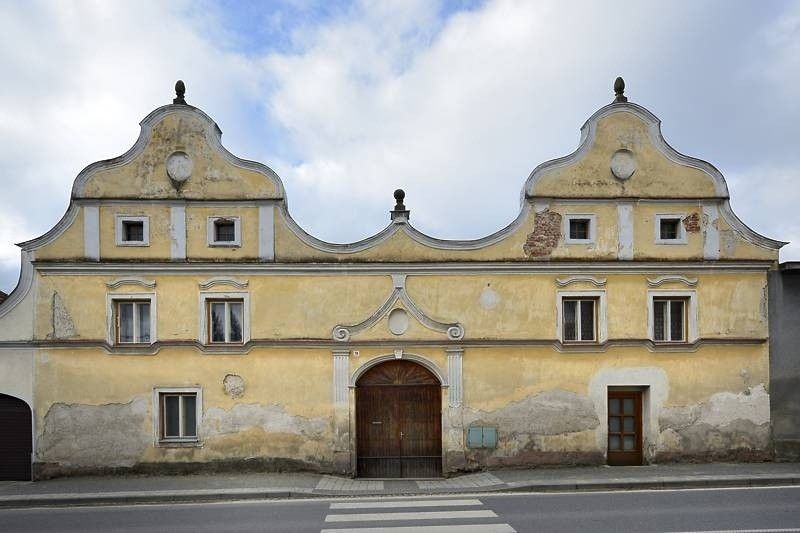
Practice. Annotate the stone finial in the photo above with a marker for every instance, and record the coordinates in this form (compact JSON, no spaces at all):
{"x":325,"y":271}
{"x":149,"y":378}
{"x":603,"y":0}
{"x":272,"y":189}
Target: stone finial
{"x":180,"y":90}
{"x":619,"y":89}
{"x":399,"y":210}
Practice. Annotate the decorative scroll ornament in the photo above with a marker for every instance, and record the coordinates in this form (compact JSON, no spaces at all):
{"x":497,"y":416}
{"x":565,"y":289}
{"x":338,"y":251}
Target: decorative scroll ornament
{"x":660,"y":280}
{"x":454,"y":331}
{"x":117,"y":283}
{"x":597,"y":282}
{"x":233,"y":282}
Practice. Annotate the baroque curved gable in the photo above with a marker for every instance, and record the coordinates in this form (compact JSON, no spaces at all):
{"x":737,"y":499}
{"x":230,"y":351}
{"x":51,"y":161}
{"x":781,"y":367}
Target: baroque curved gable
{"x":178,"y":155}
{"x":622,"y":154}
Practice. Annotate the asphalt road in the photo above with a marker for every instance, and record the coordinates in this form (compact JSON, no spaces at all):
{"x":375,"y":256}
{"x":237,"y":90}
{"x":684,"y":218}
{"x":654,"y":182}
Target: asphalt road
{"x":704,"y":510}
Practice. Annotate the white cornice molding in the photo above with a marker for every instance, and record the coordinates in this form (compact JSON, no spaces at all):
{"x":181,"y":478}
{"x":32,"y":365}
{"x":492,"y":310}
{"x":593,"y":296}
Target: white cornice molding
{"x":454,"y":330}
{"x":401,"y":225}
{"x":660,"y":280}
{"x":117,"y":283}
{"x":23,"y":287}
{"x":222,"y":280}
{"x":742,"y":229}
{"x":652,"y":268}
{"x":597,"y":282}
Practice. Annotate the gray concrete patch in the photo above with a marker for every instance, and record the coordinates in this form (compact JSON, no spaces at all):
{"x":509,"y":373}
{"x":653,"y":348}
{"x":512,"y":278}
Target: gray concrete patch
{"x":331,"y":483}
{"x":482,"y":479}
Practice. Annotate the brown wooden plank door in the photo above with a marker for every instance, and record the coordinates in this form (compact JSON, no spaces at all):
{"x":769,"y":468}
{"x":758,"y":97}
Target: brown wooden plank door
{"x":624,"y":428}
{"x":16,"y":443}
{"x":398,"y":422}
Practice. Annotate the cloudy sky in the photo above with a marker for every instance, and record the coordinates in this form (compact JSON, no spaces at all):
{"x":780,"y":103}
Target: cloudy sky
{"x":454,"y":101}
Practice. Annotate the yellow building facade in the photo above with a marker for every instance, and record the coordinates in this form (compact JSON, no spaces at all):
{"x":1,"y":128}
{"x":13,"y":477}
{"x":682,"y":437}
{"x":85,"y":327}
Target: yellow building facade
{"x":178,"y":318}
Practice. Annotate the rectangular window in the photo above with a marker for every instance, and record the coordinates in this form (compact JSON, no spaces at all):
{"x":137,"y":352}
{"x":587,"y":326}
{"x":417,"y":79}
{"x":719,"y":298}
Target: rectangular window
{"x":133,"y":322}
{"x":224,"y":231}
{"x":133,"y":230}
{"x":669,"y":229}
{"x":579,"y":320}
{"x":669,"y":319}
{"x":225,"y":321}
{"x":579,"y":229}
{"x":178,"y":416}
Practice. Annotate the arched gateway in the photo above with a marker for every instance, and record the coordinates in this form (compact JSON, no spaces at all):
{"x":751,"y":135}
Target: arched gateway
{"x":15,"y":439}
{"x":399,"y":421}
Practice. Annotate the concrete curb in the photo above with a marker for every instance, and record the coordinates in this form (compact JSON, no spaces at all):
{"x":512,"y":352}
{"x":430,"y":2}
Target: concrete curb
{"x":216,"y":495}
{"x":140,"y":497}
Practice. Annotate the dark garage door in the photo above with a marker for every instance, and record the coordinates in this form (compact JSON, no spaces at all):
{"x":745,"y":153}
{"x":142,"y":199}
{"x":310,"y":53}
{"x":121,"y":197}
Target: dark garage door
{"x":399,"y":421}
{"x":15,"y":439}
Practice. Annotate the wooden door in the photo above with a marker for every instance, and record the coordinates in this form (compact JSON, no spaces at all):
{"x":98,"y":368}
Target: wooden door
{"x":398,"y":422}
{"x":15,"y":439}
{"x":624,"y":427}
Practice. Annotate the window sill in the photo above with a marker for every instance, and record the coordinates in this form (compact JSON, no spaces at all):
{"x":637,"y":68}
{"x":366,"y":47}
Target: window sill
{"x":139,"y":244}
{"x":166,"y":443}
{"x":224,"y":245}
{"x":578,"y":241}
{"x":671,"y":241}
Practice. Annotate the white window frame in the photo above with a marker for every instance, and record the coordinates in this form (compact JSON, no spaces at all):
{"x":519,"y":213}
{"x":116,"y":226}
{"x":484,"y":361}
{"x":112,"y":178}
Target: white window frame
{"x":237,"y":231}
{"x":111,"y":315}
{"x":203,"y":333}
{"x":591,"y":217}
{"x":681,"y":238}
{"x":691,"y":314}
{"x":600,"y":327}
{"x":180,"y":441}
{"x":120,"y":230}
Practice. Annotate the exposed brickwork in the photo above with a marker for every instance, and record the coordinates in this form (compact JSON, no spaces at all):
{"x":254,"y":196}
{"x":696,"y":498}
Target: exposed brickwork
{"x":692,"y":223}
{"x":545,"y":235}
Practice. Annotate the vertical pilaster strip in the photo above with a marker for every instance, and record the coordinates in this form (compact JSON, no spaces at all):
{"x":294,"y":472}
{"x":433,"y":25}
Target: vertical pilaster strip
{"x":266,"y":233}
{"x":177,"y":232}
{"x":455,"y":376}
{"x":343,"y":444}
{"x":341,"y":371}
{"x":91,"y":232}
{"x":625,"y":230}
{"x":710,"y":232}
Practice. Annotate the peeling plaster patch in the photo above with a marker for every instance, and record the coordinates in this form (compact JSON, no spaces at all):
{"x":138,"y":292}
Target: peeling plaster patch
{"x":726,"y":422}
{"x":271,"y":418}
{"x":234,"y":385}
{"x":551,"y":412}
{"x":63,"y":326}
{"x":545,"y":235}
{"x":95,"y":435}
{"x":489,"y":298}
{"x":692,"y":223}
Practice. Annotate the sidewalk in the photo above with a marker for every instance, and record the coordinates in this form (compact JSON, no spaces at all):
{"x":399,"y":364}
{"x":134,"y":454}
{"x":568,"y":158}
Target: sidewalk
{"x":221,"y":487}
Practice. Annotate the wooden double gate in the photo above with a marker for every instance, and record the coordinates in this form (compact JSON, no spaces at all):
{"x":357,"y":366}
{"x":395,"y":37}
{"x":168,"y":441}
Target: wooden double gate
{"x":398,"y":422}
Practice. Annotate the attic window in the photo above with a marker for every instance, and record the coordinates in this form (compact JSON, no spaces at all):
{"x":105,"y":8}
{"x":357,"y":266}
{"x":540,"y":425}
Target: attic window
{"x":132,"y":230}
{"x":580,"y":229}
{"x":669,"y":229}
{"x":224,"y":231}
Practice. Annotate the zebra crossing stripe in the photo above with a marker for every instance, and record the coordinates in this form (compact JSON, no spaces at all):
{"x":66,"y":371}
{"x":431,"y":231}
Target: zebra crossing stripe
{"x":461,"y":528}
{"x":405,"y":503}
{"x":418,"y":515}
